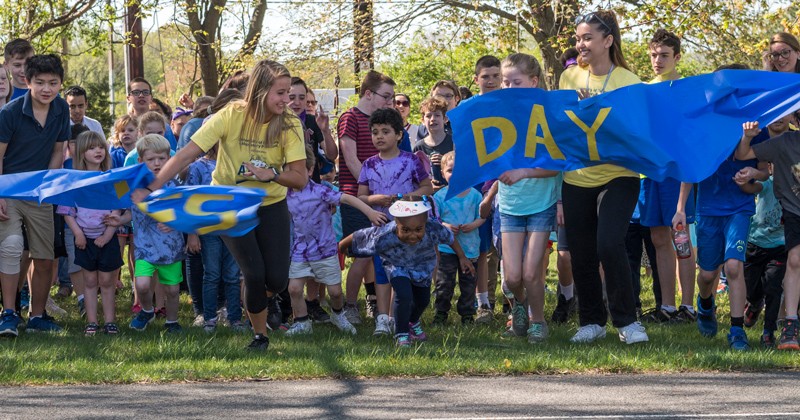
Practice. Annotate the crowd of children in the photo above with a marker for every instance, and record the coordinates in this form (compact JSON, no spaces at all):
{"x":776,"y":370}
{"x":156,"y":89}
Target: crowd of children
{"x":389,"y":213}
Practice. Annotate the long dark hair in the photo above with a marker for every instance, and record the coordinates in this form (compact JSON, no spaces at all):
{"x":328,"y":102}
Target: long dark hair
{"x":606,"y":22}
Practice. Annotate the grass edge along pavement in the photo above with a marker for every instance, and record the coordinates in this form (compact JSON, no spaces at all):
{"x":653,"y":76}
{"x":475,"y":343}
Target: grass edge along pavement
{"x":153,"y":356}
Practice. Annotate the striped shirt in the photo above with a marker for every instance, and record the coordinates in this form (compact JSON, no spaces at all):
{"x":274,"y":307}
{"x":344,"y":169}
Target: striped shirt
{"x":354,"y":124}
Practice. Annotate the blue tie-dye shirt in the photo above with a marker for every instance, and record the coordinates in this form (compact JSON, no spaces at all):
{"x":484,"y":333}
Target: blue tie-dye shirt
{"x":153,"y":245}
{"x":400,"y":259}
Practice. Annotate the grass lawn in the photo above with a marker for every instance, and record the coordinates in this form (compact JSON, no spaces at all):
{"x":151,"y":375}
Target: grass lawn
{"x":153,"y":356}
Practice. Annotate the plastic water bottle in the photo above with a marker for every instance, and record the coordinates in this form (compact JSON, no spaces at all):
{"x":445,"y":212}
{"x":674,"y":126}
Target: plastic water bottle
{"x":680,"y":238}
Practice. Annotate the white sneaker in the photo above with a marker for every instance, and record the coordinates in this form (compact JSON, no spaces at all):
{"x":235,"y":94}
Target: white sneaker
{"x":382,"y":325}
{"x":632,"y":333}
{"x":199,"y":321}
{"x":54,"y":309}
{"x":588,"y":334}
{"x":300,"y":328}
{"x":341,"y":322}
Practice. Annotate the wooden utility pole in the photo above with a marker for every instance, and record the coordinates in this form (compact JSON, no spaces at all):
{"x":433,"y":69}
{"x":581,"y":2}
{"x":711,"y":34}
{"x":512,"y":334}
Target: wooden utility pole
{"x":134,"y":54}
{"x":363,"y":39}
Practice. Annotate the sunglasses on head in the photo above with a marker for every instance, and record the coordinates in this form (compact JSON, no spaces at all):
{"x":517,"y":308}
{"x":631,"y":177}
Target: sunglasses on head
{"x":402,"y":103}
{"x":591,"y":18}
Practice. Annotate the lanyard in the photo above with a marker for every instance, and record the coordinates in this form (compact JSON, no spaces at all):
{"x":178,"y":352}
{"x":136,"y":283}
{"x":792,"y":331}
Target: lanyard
{"x":608,"y":76}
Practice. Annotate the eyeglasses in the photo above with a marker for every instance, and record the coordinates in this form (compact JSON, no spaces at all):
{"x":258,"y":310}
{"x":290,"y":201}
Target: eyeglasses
{"x":587,"y":18}
{"x":774,"y":56}
{"x":386,"y":97}
{"x":140,"y":93}
{"x":402,"y":103}
{"x":312,"y":103}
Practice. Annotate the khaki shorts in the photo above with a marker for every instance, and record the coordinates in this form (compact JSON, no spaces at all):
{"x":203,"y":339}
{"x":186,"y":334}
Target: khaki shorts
{"x":324,"y":271}
{"x":39,"y":228}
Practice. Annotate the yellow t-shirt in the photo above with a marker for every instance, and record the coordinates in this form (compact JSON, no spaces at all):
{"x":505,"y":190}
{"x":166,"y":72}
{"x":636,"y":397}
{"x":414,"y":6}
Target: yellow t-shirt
{"x":575,"y":78}
{"x":226,"y":128}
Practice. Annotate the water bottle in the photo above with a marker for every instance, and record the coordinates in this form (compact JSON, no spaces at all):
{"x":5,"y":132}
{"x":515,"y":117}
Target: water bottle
{"x":680,"y":238}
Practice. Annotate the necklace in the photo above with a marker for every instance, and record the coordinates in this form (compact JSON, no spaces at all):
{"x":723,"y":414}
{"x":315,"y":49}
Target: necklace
{"x":608,"y":76}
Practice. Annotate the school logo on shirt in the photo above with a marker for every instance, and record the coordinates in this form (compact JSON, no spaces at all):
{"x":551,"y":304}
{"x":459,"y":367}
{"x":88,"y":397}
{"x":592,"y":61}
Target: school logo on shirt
{"x":255,"y":162}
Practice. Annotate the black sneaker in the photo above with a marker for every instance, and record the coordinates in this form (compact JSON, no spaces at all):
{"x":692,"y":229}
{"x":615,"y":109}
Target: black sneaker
{"x":173,"y":328}
{"x":768,"y":339}
{"x":440,"y":318}
{"x":274,"y":315}
{"x":259,"y":343}
{"x":467,"y":320}
{"x":788,"y":340}
{"x":659,"y":316}
{"x":371,"y":306}
{"x":316,"y":313}
{"x":563,"y":308}
{"x":685,"y":315}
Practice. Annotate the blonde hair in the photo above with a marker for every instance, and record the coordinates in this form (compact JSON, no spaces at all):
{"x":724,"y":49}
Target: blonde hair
{"x":152,"y":143}
{"x":264,"y":75}
{"x":86,"y":141}
{"x":525,"y":63}
{"x":119,"y":127}
{"x":448,"y":157}
{"x":151,"y":117}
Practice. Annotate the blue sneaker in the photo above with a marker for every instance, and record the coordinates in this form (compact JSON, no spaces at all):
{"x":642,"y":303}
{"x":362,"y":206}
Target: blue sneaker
{"x":140,"y":321}
{"x":8,"y":324}
{"x":42,"y":323}
{"x":737,"y":339}
{"x":706,"y":319}
{"x":24,"y":299}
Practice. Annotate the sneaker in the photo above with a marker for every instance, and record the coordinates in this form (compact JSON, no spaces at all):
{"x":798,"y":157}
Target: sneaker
{"x":402,"y":340}
{"x":238,"y":326}
{"x":440,"y":318}
{"x":161,"y":312}
{"x":173,"y":327}
{"x":24,"y":299}
{"x":43,"y":323}
{"x":82,"y":308}
{"x":563,"y":309}
{"x":382,"y":325}
{"x":485,"y":315}
{"x":200,"y":321}
{"x":259,"y":343}
{"x":341,"y":322}
{"x":91,"y":329}
{"x":9,"y":323}
{"x":140,"y":321}
{"x":588,"y":334}
{"x":632,"y":333}
{"x":64,"y":292}
{"x":467,"y":320}
{"x":788,"y":340}
{"x":316,"y":313}
{"x":351,"y":312}
{"x":537,"y":332}
{"x":222,"y":317}
{"x":110,"y":328}
{"x":659,"y":316}
{"x":737,"y":339}
{"x":416,"y":333}
{"x":519,"y":319}
{"x":210,"y":326}
{"x":685,"y":315}
{"x":371,"y":306}
{"x":751,"y":313}
{"x":706,"y":320}
{"x":767,"y":340}
{"x":300,"y":328}
{"x":274,"y":315}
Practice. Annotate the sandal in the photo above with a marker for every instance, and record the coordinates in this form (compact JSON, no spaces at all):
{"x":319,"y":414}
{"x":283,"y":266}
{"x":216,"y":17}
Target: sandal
{"x":111,"y":328}
{"x":90,"y":330}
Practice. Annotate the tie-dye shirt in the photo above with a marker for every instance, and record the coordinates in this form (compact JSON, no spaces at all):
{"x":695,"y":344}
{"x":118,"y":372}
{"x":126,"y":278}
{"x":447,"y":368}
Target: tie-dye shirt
{"x":153,"y":245}
{"x":401,"y":175}
{"x":314,"y":238}
{"x":400,"y":259}
{"x":460,"y":211}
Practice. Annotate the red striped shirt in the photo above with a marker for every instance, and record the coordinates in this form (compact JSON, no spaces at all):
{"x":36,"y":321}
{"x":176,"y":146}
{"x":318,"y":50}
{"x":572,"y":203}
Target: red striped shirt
{"x":354,"y":124}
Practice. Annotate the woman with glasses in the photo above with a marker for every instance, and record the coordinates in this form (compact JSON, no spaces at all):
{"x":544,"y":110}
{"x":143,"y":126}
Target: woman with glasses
{"x":598,"y":201}
{"x":783,"y":54}
{"x":402,"y":103}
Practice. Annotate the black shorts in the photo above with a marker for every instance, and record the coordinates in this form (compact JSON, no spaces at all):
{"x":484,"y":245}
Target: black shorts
{"x":94,"y":258}
{"x":352,"y":220}
{"x":791,"y":230}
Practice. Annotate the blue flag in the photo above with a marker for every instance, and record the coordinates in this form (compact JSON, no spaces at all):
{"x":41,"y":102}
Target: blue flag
{"x":680,"y":129}
{"x":206,"y":209}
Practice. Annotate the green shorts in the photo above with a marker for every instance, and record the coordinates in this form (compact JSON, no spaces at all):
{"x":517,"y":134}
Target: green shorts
{"x":168,"y":274}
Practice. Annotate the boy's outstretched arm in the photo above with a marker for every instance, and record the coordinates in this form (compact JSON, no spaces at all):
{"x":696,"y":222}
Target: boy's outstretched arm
{"x":744,"y":151}
{"x":377,"y":218}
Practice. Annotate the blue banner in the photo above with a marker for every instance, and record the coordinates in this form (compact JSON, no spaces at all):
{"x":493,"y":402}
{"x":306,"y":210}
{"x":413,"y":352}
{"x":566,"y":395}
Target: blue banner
{"x":206,"y":209}
{"x":680,"y":129}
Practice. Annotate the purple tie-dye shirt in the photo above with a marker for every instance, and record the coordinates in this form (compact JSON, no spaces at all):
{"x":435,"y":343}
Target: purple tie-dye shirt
{"x":401,"y":175}
{"x":310,"y":207}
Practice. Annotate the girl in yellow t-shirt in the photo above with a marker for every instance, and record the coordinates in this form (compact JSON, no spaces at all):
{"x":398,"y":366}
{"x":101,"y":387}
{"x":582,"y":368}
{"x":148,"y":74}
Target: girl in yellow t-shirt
{"x":260,"y":146}
{"x":598,"y":201}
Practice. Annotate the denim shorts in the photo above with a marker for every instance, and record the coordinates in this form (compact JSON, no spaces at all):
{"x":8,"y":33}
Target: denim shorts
{"x":544,"y":221}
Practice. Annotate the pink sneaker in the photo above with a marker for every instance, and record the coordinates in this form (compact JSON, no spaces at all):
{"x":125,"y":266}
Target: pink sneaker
{"x":416,"y":333}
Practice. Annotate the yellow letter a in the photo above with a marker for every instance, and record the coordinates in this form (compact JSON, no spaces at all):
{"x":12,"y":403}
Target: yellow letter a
{"x":508,"y":136}
{"x":538,"y":119}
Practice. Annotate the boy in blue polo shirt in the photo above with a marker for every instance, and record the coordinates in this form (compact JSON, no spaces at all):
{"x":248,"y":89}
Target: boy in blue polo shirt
{"x":33,"y":130}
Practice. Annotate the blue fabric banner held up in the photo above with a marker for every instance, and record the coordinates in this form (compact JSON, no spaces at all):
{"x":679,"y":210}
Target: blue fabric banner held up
{"x":681,"y":129}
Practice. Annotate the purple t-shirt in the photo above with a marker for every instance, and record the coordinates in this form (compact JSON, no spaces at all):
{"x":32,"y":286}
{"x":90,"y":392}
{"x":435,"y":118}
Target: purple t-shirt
{"x":400,"y":175}
{"x":310,"y":207}
{"x":89,"y":220}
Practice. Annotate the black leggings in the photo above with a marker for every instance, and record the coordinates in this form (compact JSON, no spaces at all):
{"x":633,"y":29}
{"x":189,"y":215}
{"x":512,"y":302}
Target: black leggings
{"x":596,"y":220}
{"x":263,"y":255}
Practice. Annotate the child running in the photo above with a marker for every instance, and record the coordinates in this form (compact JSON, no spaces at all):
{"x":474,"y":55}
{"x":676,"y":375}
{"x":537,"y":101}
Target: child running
{"x":314,"y":250}
{"x":96,"y":248}
{"x":407,"y":248}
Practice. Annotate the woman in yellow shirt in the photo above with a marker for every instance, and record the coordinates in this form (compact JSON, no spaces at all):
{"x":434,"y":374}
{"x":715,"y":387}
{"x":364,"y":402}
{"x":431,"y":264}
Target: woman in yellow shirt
{"x":598,"y":201}
{"x":260,"y":146}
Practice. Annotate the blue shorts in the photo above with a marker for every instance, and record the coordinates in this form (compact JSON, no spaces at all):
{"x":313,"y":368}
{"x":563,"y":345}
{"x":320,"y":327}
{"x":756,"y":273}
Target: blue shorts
{"x":721,"y":238}
{"x":544,"y":221}
{"x":660,"y":201}
{"x":380,"y":273}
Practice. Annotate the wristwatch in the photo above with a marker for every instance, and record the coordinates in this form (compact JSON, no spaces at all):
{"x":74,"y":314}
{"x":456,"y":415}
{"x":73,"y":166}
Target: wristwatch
{"x":277,"y":174}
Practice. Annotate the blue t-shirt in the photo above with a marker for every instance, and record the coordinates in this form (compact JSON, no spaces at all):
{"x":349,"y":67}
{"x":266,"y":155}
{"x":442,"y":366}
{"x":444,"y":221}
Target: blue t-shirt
{"x":529,"y":196}
{"x":153,"y":245}
{"x":399,"y":258}
{"x":188,"y":131}
{"x":118,"y":155}
{"x":200,"y":172}
{"x":460,"y":211}
{"x":766,"y":229}
{"x":18,"y":93}
{"x":170,"y":136}
{"x":718,"y":195}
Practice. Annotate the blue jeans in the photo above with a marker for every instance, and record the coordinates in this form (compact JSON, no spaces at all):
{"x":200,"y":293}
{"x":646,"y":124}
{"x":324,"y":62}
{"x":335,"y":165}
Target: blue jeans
{"x":219,"y":267}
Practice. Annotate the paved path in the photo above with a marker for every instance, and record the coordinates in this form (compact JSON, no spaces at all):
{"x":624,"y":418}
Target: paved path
{"x":681,"y":396}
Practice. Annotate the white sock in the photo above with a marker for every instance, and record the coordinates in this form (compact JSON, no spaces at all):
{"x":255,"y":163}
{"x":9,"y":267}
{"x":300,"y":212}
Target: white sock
{"x":669,"y":308}
{"x":568,"y":291}
{"x":483,"y":298}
